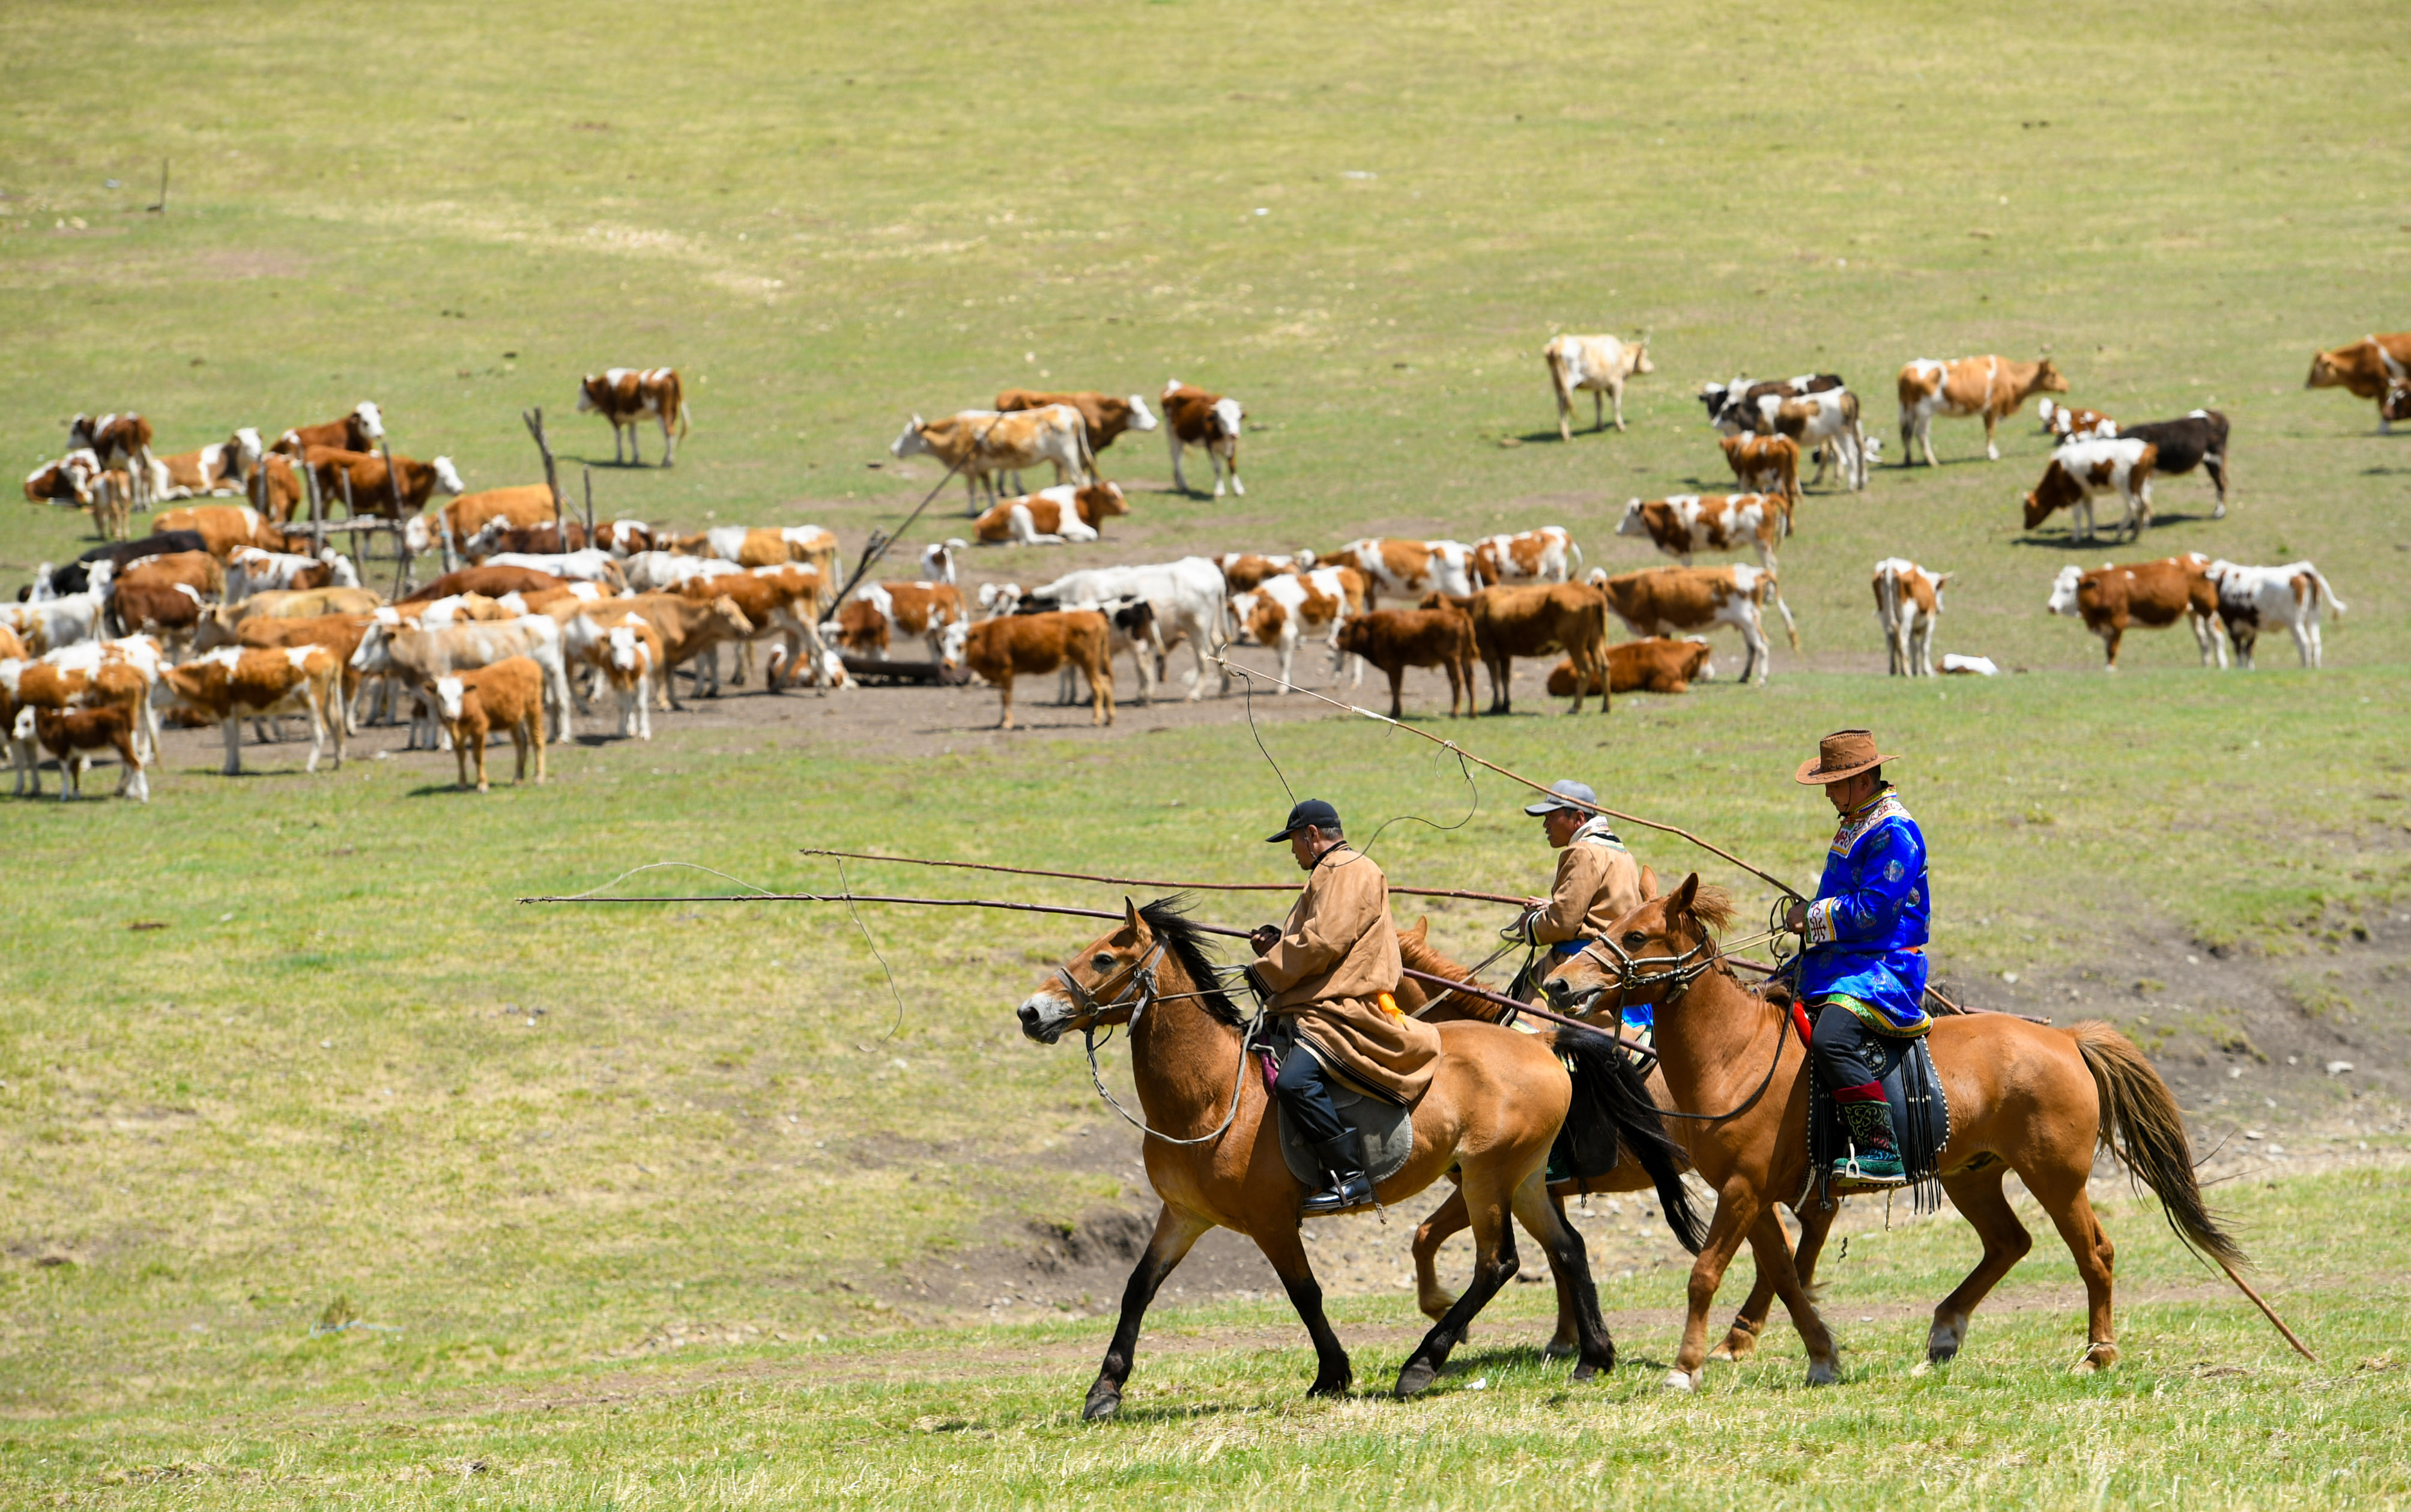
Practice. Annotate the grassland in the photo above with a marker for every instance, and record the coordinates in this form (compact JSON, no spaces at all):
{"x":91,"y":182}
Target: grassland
{"x":638,"y":1189}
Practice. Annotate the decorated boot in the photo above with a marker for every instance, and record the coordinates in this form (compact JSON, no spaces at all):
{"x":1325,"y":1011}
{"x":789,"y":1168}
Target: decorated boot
{"x":1349,"y":1187}
{"x":1876,"y":1157}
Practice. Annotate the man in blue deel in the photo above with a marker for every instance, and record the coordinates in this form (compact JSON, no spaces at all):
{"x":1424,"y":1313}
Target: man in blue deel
{"x":1862,"y":965}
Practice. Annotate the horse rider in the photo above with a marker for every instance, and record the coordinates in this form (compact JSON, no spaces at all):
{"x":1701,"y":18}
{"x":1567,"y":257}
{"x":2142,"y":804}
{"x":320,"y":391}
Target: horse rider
{"x":1862,"y":962}
{"x":1598,"y":882}
{"x":1329,"y":969}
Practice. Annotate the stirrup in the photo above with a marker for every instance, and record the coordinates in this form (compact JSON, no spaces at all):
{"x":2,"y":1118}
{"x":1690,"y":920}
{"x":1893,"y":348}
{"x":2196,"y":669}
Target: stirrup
{"x":1347,"y":1192}
{"x":1849,"y":1174}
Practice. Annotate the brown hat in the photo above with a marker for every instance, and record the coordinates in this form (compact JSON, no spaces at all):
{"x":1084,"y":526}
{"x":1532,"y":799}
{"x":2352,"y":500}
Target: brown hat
{"x":1840,"y":756}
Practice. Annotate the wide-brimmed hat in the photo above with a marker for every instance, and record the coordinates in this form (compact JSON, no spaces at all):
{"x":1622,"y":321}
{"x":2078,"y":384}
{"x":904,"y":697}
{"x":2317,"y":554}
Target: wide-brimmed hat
{"x":1566,"y":793}
{"x":1840,"y":756}
{"x":1312,"y":811}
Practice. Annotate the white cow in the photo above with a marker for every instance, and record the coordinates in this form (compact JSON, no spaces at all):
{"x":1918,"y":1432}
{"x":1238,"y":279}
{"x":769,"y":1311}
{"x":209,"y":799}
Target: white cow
{"x":1908,"y":599}
{"x":661,"y":571}
{"x":1548,"y":554}
{"x":2252,"y":598}
{"x":1186,"y":596}
{"x":1602,"y":364}
{"x":1279,"y":612}
{"x":67,"y":620}
{"x":591,"y":565}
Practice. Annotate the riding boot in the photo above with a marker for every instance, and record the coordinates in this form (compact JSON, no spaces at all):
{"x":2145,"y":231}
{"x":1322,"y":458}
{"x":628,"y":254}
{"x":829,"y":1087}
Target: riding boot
{"x":1349,"y":1188}
{"x":1876,"y":1158}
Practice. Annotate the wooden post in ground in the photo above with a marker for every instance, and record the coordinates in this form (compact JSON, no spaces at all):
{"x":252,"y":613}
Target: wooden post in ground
{"x":534,"y":420}
{"x":589,"y":474}
{"x":401,"y":536}
{"x":317,"y":507}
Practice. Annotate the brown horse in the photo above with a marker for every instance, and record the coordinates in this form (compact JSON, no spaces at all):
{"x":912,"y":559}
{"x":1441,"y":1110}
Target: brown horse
{"x":2024,"y":1097}
{"x":1495,"y":1102}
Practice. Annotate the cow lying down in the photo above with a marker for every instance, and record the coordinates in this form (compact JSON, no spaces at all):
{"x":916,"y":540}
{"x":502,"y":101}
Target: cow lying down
{"x":1657,"y":664}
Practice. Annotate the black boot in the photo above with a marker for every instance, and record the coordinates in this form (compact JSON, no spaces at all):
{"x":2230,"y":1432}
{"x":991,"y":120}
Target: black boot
{"x":1876,"y":1161}
{"x":1349,"y":1187}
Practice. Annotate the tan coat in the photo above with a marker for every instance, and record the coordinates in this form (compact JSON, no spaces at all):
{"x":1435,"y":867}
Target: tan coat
{"x":1337,"y":953}
{"x":1598,"y":884}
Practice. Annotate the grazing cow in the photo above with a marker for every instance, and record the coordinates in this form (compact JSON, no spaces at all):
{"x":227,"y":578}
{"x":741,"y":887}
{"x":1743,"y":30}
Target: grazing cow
{"x":69,"y":480}
{"x":252,"y":571}
{"x":1602,"y":364}
{"x":1686,"y":523}
{"x":1012,"y":645}
{"x":688,"y":628}
{"x":171,"y":611}
{"x":933,"y":611}
{"x":69,"y":734}
{"x":1280,"y":611}
{"x":625,"y":537}
{"x":1672,"y":600}
{"x":1908,"y":599}
{"x":120,"y":440}
{"x":546,"y":539}
{"x":222,"y":529}
{"x":1414,"y":569}
{"x":523,"y":506}
{"x":1991,"y":386}
{"x":1719,"y":398}
{"x":1765,"y":464}
{"x":1537,"y":620}
{"x":372,"y":489}
{"x":659,"y":571}
{"x":1397,"y":639}
{"x":2198,"y":439}
{"x":2082,"y":469}
{"x":2074,"y":425}
{"x":591,"y":565}
{"x":1548,"y":554}
{"x":1187,"y":597}
{"x":1826,"y":423}
{"x":54,"y":624}
{"x":1052,"y":516}
{"x":2152,"y":594}
{"x":472,"y":703}
{"x":1244,"y":570}
{"x":204,"y":573}
{"x":219,"y":468}
{"x":627,"y":395}
{"x":628,"y":649}
{"x":1654,"y":665}
{"x":419,"y":656}
{"x":2252,"y":598}
{"x":1198,"y":419}
{"x":359,"y":432}
{"x":232,"y":685}
{"x":2374,"y":367}
{"x":1107,"y":417}
{"x":983,"y":445}
{"x":493,"y":582}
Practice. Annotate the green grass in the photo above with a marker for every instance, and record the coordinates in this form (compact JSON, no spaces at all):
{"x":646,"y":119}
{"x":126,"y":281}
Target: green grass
{"x":340,"y":1090}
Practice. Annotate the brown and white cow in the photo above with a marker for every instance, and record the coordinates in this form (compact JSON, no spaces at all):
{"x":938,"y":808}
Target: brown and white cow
{"x":1674,"y":601}
{"x":419,"y":656}
{"x":232,"y":685}
{"x":628,"y":651}
{"x":1284,"y":609}
{"x":806,"y":545}
{"x":202,"y":572}
{"x":779,"y":601}
{"x":70,"y":734}
{"x":1243,"y":570}
{"x":627,"y":395}
{"x":71,"y":480}
{"x":120,"y":440}
{"x":879,"y":611}
{"x":1411,"y":568}
{"x":1908,"y":599}
{"x":1548,"y":554}
{"x":91,"y":675}
{"x":1015,"y":645}
{"x":1826,"y":424}
{"x":475,"y":702}
{"x":2120,"y":465}
{"x":1397,"y":639}
{"x":523,"y":506}
{"x":171,"y":611}
{"x":2074,"y":425}
{"x":251,"y":570}
{"x":2152,"y":594}
{"x":223,"y":529}
{"x":984,"y":445}
{"x":501,"y":538}
{"x":1537,"y":619}
{"x":1052,"y":516}
{"x":1685,"y":523}
{"x":1602,"y":364}
{"x":688,"y":628}
{"x":1765,"y":464}
{"x":372,"y":490}
{"x":357,"y":431}
{"x":1993,"y":387}
{"x":624,"y":537}
{"x":222,"y":467}
{"x":2374,"y":367}
{"x":1107,"y":418}
{"x":1197,"y":419}
{"x":55,"y":623}
{"x":2251,"y":599}
{"x":1652,"y":665}
{"x":493,"y":582}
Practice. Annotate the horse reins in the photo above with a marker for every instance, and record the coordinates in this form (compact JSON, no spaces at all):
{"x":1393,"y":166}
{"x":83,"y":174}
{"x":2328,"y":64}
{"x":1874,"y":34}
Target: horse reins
{"x":1140,"y":991}
{"x":1681,"y":971}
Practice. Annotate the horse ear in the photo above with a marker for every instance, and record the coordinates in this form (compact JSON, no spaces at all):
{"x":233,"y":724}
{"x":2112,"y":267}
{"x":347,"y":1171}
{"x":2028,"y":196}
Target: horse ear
{"x":1680,"y":902}
{"x":1129,"y":915}
{"x":1648,"y":883}
{"x":1423,"y":926}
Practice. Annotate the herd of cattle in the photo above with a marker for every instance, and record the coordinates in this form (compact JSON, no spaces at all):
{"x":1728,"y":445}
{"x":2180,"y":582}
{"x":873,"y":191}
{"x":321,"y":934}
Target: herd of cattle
{"x":217,"y":616}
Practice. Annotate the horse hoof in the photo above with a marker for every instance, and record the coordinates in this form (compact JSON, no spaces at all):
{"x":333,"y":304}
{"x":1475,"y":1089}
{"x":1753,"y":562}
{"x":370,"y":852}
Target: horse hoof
{"x":1678,"y":1380}
{"x":1559,"y":1349}
{"x":1414,"y":1378}
{"x":1822,"y":1372}
{"x":1738,"y":1347}
{"x":1104,"y":1402}
{"x":1330,"y":1386}
{"x":1585,"y":1371}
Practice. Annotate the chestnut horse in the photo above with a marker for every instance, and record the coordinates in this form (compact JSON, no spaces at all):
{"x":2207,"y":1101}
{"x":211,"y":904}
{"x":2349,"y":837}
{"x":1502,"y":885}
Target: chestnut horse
{"x":1493,"y":1107}
{"x":2024,"y":1097}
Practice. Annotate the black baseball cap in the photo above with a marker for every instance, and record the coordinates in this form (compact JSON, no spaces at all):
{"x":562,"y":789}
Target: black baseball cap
{"x":1312,"y":811}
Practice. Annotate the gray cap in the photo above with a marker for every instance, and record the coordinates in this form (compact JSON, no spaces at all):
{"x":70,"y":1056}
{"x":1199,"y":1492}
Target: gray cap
{"x":1585,"y":801}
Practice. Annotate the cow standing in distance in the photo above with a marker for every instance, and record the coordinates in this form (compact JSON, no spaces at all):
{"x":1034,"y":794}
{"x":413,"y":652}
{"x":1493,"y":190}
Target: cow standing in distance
{"x":2252,"y":598}
{"x":2197,"y":439}
{"x":999,"y":650}
{"x":984,"y":445}
{"x":1195,"y":417}
{"x":1674,"y":601}
{"x":2120,"y":465}
{"x":362,"y":481}
{"x":1602,"y":364}
{"x":2113,"y":598}
{"x":1685,"y":523}
{"x":1397,"y":639}
{"x":2074,"y":425}
{"x":357,"y":431}
{"x":472,"y":703}
{"x":1411,"y":569}
{"x":1993,"y":387}
{"x":1106,"y":417}
{"x":1187,"y":596}
{"x":1537,"y":620}
{"x":1825,"y":422}
{"x":624,"y":395}
{"x":1908,"y":599}
{"x":2374,"y":367}
{"x":1282,"y":610}
{"x":1765,"y":464}
{"x":235,"y":684}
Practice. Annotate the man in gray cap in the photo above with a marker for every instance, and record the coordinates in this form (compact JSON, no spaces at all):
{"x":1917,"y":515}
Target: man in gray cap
{"x":1329,"y":969}
{"x":1598,"y":882}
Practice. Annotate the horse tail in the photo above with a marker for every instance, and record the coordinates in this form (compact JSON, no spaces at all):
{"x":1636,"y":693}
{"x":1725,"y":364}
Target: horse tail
{"x":2141,"y":1123}
{"x":1611,"y":1097}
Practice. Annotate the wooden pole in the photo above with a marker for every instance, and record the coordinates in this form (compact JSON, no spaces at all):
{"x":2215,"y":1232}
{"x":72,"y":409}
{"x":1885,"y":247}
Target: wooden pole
{"x":317,"y":506}
{"x":1157,"y":881}
{"x":533,"y":420}
{"x":400,"y":537}
{"x":589,"y":475}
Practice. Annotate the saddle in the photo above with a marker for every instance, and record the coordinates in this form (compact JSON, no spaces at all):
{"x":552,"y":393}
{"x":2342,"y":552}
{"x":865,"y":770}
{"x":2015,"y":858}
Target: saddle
{"x":1920,"y":1119}
{"x":1383,"y":1130}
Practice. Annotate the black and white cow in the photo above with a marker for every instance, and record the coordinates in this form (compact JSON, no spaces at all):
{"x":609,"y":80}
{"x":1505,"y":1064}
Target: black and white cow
{"x":2198,"y":439}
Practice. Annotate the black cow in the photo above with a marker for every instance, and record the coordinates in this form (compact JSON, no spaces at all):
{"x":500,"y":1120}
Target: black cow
{"x":159,"y":544}
{"x":2198,"y":439}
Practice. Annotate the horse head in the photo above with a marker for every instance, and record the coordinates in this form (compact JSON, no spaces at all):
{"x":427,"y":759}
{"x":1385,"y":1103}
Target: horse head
{"x":1098,"y":986}
{"x":1661,"y":945}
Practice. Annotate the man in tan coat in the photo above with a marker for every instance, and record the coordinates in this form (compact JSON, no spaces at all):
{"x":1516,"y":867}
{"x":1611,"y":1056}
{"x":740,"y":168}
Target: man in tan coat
{"x":1329,"y":969}
{"x":1598,"y":881}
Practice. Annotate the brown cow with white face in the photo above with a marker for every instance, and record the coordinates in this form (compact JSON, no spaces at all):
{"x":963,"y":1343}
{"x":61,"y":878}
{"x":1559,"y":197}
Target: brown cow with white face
{"x":361,"y":480}
{"x":232,"y":685}
{"x":2152,"y":594}
{"x":2374,"y":367}
{"x":1197,"y":419}
{"x":624,"y":395}
{"x":1548,"y":554}
{"x":359,"y":432}
{"x":1993,"y":387}
{"x":1107,"y":418}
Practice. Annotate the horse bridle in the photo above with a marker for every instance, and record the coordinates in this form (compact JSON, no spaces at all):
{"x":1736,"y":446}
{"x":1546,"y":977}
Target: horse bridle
{"x":1680,"y":972}
{"x":1140,"y":993}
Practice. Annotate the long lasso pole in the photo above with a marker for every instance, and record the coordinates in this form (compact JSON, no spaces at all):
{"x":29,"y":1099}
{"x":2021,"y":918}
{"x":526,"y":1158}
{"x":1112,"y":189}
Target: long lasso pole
{"x":1151,"y":882}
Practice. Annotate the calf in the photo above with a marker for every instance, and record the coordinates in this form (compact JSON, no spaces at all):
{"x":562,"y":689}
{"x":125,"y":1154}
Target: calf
{"x":1548,"y":554}
{"x":1671,"y":601}
{"x":1654,"y":665}
{"x":1908,"y":599}
{"x":1993,"y":387}
{"x":1602,"y":364}
{"x":1541,"y":620}
{"x":68,"y":734}
{"x":1243,"y":570}
{"x":368,"y":487}
{"x":628,"y":651}
{"x":624,"y":395}
{"x":2082,"y":469}
{"x":2250,"y":597}
{"x":1414,"y":569}
{"x":2198,"y":439}
{"x":1012,"y":645}
{"x":419,"y":656}
{"x":1397,"y":639}
{"x":2153,"y":594}
{"x":1686,"y":523}
{"x":120,"y":440}
{"x":2075,"y":425}
{"x":1052,"y":516}
{"x":983,"y":445}
{"x":509,"y":695}
{"x":1280,"y":611}
{"x":1198,"y":419}
{"x":2374,"y":367}
{"x":1765,"y":464}
{"x":359,"y":432}
{"x":232,"y":685}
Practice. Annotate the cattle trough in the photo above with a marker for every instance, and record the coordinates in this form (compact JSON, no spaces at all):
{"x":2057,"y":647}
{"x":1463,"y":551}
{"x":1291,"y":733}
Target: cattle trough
{"x":867,"y":668}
